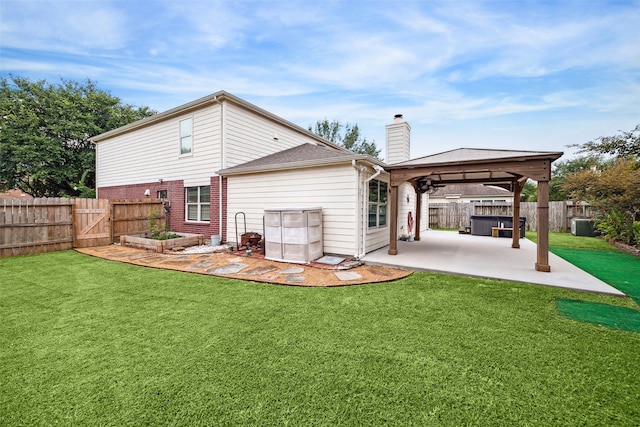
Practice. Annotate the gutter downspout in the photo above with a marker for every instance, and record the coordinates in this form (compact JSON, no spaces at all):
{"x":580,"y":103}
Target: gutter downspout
{"x":378,"y":170}
{"x":222,"y":161}
{"x":357,"y":203}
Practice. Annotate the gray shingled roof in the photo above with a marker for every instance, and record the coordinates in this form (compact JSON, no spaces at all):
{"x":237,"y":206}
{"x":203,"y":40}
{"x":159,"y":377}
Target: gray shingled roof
{"x":301,"y":155}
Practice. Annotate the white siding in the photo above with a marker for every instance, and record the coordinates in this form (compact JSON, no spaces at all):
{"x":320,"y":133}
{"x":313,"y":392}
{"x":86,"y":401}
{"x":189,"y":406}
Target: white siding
{"x":398,"y":143}
{"x":249,"y":136}
{"x":334,"y":188}
{"x":151,"y":153}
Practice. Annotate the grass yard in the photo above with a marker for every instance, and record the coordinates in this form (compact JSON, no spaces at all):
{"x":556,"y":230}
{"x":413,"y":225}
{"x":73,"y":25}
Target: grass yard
{"x":609,"y":264}
{"x":84,"y":341}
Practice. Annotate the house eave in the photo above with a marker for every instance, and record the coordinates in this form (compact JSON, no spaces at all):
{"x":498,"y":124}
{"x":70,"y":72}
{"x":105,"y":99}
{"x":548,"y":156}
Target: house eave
{"x":300,"y":165}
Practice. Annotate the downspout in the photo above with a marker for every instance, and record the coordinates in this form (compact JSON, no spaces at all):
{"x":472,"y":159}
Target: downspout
{"x":357,"y":238}
{"x":378,"y":170}
{"x":222,"y":162}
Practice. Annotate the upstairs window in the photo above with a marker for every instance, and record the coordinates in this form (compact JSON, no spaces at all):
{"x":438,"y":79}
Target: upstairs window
{"x":377,"y":203}
{"x":186,"y":136}
{"x":198,"y":205}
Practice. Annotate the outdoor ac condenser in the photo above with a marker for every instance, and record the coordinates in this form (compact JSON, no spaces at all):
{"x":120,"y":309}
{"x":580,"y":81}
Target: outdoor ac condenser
{"x":582,"y":227}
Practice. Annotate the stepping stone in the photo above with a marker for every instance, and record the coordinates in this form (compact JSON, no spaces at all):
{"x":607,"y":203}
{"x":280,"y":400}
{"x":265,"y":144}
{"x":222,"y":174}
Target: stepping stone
{"x":348,"y":275}
{"x":294,"y":279}
{"x":331,"y":260}
{"x":117,"y":254}
{"x":141,"y":256}
{"x":228,"y":269}
{"x":350,"y":264}
{"x":177,"y":259}
{"x":152,"y":259}
{"x":292,"y":270}
{"x":258,"y":271}
{"x":198,"y":266}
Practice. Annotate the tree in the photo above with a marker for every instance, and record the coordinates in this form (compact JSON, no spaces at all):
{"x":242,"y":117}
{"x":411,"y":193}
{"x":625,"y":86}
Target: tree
{"x":529,"y":192}
{"x":561,"y":170}
{"x":350,"y":139}
{"x":625,"y":145}
{"x":44,"y":134}
{"x":614,"y":189}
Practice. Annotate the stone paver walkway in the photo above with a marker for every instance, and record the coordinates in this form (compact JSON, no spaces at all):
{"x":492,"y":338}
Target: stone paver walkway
{"x":253,"y":268}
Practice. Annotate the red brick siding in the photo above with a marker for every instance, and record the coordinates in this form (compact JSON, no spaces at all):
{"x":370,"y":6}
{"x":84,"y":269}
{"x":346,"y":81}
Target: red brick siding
{"x":176,"y":197}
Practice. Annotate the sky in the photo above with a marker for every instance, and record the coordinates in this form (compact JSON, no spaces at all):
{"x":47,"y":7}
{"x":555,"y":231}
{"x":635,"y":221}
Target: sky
{"x":523,"y":75}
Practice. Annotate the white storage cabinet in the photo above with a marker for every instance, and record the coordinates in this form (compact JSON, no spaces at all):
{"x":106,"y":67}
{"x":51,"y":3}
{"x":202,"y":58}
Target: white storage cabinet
{"x":293,"y":234}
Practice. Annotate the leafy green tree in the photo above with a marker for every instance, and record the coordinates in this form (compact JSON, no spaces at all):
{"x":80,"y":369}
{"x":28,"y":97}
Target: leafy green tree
{"x":529,"y":192}
{"x":625,"y":145}
{"x":44,"y":134}
{"x":615,"y":189}
{"x":349,"y":139}
{"x":561,"y":170}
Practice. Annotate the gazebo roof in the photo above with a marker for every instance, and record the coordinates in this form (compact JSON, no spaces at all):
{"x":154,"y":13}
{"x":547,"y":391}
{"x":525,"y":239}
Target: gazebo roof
{"x":474,"y":165}
{"x":476,"y":155}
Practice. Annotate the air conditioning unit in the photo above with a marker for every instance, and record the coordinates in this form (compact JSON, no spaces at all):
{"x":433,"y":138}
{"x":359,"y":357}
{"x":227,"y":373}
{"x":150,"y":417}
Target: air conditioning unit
{"x":582,"y":227}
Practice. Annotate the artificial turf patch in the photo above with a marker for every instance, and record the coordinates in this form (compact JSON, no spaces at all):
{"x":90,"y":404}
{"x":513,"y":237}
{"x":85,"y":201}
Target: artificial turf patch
{"x":611,"y":316}
{"x":618,"y":269}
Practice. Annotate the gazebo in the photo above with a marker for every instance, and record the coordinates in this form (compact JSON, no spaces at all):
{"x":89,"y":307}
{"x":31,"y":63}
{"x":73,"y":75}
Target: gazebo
{"x":508,"y":169}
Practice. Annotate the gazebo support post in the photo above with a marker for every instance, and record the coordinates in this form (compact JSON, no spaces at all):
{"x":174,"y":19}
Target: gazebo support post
{"x":543,"y":227}
{"x":393,"y":224}
{"x":517,"y":188}
{"x":418,"y":215}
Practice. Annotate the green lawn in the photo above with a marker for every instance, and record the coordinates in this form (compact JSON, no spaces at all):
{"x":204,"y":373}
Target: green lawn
{"x":568,"y":240}
{"x":84,"y":341}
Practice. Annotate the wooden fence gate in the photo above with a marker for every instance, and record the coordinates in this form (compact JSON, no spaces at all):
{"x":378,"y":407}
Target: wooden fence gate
{"x":29,"y":226}
{"x":91,"y":223}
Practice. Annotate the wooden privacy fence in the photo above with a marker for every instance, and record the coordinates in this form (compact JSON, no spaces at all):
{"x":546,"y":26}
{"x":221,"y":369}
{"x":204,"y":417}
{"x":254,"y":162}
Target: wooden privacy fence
{"x":39,"y":225}
{"x":457,"y":215}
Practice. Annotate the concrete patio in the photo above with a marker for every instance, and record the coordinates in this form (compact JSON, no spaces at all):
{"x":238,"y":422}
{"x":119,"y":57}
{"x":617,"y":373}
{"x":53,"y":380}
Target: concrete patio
{"x":488,"y":257}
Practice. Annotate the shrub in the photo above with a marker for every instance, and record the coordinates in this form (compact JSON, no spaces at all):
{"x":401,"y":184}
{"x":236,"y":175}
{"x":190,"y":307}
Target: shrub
{"x":619,"y":226}
{"x":158,"y":229}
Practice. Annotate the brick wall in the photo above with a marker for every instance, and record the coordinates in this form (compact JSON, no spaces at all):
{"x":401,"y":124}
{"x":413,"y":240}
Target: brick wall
{"x":176,"y":197}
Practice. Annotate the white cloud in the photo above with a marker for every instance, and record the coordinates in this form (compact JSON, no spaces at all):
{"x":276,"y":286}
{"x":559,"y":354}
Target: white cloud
{"x":62,"y":26}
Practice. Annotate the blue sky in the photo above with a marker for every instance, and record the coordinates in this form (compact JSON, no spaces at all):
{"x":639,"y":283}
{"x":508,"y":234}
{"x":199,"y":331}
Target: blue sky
{"x":497,"y":74}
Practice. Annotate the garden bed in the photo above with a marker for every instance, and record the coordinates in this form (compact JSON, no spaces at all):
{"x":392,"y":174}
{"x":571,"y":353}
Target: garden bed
{"x":185,"y":240}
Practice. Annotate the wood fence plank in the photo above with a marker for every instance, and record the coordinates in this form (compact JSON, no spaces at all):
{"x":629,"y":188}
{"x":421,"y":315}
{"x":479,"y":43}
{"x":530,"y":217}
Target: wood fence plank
{"x":457,"y":215}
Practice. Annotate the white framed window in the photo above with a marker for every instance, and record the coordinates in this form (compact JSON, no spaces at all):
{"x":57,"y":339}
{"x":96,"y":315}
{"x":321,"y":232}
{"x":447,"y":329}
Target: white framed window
{"x":186,"y":136}
{"x":377,"y":203}
{"x":198,"y":203}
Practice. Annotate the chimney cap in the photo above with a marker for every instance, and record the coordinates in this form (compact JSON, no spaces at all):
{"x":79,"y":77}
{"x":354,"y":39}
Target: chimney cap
{"x":397,"y":118}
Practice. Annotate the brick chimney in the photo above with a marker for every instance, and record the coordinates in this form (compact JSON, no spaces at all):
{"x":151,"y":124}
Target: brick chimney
{"x":398,"y":141}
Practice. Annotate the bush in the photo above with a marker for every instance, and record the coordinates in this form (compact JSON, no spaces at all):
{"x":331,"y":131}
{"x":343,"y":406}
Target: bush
{"x":619,"y":226}
{"x":159,"y":231}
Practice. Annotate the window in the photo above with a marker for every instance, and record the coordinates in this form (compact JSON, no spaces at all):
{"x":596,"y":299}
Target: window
{"x":377,"y":203}
{"x":198,"y":203}
{"x":162,"y":194}
{"x":186,"y":136}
